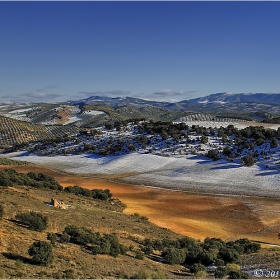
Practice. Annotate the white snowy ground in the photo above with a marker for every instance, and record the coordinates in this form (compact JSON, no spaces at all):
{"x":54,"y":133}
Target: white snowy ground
{"x":78,"y":118}
{"x":72,"y":119}
{"x":239,"y":125}
{"x":194,"y":174}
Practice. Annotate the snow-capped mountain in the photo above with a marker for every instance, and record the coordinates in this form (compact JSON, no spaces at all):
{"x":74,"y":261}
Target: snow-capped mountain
{"x":227,"y":97}
{"x":222,"y":98}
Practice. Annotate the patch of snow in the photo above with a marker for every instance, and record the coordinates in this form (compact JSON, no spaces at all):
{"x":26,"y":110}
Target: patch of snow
{"x":72,"y":119}
{"x":93,"y":112}
{"x":194,"y":173}
{"x":20,"y":110}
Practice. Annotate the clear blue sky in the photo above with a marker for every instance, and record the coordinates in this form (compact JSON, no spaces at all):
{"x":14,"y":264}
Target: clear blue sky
{"x":53,"y":51}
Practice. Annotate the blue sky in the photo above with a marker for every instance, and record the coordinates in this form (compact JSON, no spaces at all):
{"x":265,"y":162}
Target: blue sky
{"x":54,"y":51}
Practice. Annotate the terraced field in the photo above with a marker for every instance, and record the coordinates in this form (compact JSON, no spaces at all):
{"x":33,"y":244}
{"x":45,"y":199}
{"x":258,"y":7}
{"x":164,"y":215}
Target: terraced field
{"x":18,"y":132}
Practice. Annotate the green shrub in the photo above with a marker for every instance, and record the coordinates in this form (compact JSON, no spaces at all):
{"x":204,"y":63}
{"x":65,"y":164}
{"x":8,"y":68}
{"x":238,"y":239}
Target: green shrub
{"x":81,"y":235}
{"x":95,"y":193}
{"x":197,"y":267}
{"x":139,"y":255}
{"x":221,"y":272}
{"x":228,"y":255}
{"x":41,"y":252}
{"x":65,"y":238}
{"x":204,"y":139}
{"x":237,"y":275}
{"x":248,"y":160}
{"x":33,"y":220}
{"x":52,"y":238}
{"x":244,"y":246}
{"x":200,"y":274}
{"x":213,"y":154}
{"x":5,"y":161}
{"x":10,"y":177}
{"x":148,"y":249}
{"x":273,"y":143}
{"x":227,"y":151}
{"x":174,"y":256}
{"x":106,"y":244}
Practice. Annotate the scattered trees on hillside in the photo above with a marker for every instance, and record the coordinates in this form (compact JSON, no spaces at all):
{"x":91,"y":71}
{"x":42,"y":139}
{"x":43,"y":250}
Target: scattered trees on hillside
{"x":106,"y":244}
{"x":6,"y":161}
{"x":197,"y":255}
{"x":212,"y":250}
{"x":95,"y":193}
{"x":10,"y":177}
{"x":44,"y":180}
{"x":163,"y":138}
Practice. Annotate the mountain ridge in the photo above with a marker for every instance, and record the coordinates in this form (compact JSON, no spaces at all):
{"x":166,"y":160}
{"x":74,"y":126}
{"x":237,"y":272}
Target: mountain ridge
{"x":228,"y":97}
{"x":224,"y":97}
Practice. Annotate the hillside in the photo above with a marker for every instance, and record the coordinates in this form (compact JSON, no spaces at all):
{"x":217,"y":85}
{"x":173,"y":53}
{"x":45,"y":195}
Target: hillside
{"x":219,"y":104}
{"x":18,"y":132}
{"x":15,"y":132}
{"x":95,"y":110}
{"x":106,"y":217}
{"x":100,"y":216}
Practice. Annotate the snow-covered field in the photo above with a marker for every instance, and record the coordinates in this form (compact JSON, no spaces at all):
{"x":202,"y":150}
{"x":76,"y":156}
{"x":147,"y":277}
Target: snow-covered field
{"x":93,"y":112}
{"x":238,"y":125}
{"x":76,"y":118}
{"x":20,"y":110}
{"x":193,"y":173}
{"x":72,"y":119}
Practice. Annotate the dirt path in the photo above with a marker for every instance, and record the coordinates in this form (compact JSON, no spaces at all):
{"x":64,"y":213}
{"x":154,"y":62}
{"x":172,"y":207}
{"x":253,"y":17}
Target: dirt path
{"x":193,"y":215}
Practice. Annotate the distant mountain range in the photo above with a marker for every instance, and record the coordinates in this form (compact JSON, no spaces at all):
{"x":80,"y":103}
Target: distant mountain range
{"x":224,"y":97}
{"x":214,"y":103}
{"x":95,"y":110}
{"x":119,"y":101}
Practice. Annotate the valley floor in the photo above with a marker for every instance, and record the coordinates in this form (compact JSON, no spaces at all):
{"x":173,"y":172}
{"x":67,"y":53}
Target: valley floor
{"x":232,"y":201}
{"x":193,"y":173}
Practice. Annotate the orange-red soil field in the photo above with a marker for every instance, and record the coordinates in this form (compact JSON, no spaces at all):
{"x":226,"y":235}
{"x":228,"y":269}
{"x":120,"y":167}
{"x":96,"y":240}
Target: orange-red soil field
{"x":194,"y":215}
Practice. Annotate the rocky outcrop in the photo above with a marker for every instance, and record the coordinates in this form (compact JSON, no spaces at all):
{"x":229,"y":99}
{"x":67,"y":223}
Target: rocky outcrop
{"x":59,"y":204}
